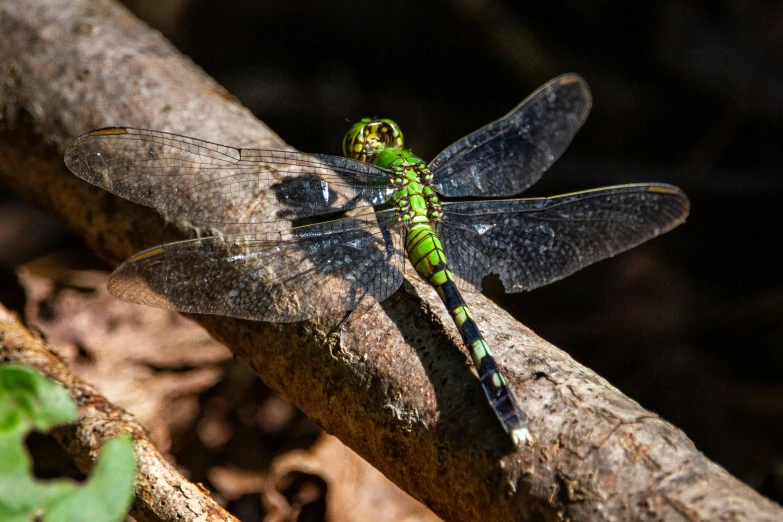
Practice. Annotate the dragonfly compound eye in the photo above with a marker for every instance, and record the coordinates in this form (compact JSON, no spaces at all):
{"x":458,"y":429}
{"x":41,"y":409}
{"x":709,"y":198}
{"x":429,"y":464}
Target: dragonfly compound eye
{"x":370,"y":136}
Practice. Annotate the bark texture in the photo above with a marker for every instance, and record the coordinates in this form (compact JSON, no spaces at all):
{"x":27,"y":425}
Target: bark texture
{"x":395,"y":385}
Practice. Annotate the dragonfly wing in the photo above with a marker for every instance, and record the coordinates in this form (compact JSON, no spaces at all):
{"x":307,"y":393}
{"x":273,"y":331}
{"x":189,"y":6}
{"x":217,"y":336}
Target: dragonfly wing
{"x":215,"y":183}
{"x":533,"y":242}
{"x":290,"y":276}
{"x":511,"y":154}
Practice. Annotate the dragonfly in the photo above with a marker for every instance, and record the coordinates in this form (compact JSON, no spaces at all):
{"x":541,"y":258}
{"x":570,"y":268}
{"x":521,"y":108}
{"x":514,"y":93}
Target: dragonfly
{"x":455,"y":218}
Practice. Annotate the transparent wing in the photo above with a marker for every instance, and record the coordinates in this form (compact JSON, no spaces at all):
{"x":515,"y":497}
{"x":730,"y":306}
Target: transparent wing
{"x":308,"y":271}
{"x":533,"y":242}
{"x":219,"y":184}
{"x":511,"y":154}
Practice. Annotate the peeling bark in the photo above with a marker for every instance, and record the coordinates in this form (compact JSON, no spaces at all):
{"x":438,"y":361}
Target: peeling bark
{"x":395,"y":384}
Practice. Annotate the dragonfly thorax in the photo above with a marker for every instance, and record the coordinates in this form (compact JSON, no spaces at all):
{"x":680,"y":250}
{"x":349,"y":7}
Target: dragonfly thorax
{"x":416,"y":199}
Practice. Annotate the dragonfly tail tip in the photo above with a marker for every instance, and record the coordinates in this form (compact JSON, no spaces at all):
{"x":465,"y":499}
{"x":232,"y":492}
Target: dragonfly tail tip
{"x":521,"y":436}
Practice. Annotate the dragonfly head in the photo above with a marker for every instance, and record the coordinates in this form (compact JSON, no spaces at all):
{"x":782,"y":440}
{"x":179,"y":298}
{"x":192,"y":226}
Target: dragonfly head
{"x":370,"y":136}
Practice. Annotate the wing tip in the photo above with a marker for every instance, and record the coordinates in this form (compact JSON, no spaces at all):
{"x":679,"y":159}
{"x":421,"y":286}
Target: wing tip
{"x":129,"y":283}
{"x":73,"y":149}
{"x":678,"y":193}
{"x":580,"y":83}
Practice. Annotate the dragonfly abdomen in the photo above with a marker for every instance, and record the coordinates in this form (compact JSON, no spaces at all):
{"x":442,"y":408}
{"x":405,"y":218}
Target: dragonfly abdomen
{"x":428,"y":258}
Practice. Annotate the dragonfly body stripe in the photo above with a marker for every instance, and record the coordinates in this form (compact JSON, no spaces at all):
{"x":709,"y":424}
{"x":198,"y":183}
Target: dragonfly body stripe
{"x":492,"y":381}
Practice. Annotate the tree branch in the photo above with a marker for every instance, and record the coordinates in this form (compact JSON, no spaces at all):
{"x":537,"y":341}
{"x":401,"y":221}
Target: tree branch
{"x":395,"y":385}
{"x":162,"y":494}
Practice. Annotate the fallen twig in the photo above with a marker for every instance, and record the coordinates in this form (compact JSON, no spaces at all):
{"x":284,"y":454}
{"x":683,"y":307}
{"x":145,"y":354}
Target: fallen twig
{"x":162,"y":494}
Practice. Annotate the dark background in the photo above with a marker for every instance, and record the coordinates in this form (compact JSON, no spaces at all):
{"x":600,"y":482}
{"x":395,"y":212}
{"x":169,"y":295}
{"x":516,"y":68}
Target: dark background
{"x":685,"y":92}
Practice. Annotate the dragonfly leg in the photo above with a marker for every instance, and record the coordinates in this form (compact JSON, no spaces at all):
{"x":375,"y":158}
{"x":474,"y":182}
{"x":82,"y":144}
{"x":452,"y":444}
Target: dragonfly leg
{"x":341,"y":325}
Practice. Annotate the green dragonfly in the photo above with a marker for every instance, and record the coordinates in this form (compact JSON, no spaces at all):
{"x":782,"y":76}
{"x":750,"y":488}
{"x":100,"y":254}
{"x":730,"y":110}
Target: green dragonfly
{"x":258,"y":270}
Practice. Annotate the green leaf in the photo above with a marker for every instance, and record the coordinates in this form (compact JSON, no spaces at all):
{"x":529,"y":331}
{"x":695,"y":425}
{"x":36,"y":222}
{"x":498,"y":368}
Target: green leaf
{"x":29,"y":401}
{"x":108,"y":494}
{"x":27,"y":396}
